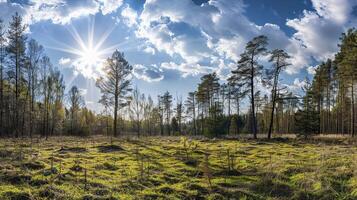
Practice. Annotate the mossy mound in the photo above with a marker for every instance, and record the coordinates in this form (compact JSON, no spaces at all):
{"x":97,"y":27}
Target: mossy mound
{"x":16,"y":196}
{"x":109,"y":148}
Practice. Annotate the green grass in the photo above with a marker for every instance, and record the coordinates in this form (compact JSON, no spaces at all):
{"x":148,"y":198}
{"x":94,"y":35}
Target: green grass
{"x":176,"y":168}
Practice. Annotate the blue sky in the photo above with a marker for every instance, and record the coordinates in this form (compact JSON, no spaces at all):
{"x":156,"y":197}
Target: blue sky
{"x":171,"y":44}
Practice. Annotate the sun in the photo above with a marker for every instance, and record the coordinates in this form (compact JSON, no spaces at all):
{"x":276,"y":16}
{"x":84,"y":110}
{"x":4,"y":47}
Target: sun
{"x":90,"y":56}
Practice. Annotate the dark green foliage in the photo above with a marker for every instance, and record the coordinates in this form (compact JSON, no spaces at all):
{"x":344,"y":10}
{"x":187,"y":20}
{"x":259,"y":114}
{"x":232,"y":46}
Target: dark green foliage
{"x":307,"y":117}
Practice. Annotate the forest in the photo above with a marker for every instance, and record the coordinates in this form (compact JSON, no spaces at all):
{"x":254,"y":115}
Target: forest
{"x":232,"y":137}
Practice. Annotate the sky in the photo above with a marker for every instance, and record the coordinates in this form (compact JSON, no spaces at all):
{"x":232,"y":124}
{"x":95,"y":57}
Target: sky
{"x":172,"y":43}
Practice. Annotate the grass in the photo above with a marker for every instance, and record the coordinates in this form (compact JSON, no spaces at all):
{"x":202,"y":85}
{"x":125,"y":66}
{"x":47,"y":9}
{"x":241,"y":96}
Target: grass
{"x":175,"y":168}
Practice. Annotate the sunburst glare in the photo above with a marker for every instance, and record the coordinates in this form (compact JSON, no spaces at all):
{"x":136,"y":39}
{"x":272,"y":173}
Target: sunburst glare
{"x":89,"y":52}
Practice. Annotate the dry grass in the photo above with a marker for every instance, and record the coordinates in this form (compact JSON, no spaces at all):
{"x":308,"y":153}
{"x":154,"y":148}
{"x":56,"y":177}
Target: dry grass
{"x":175,"y":168}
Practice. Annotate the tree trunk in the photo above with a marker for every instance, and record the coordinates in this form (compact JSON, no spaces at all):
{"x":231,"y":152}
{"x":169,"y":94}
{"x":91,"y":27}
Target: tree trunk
{"x":194,"y":115}
{"x":254,"y":123}
{"x":352,"y":110}
{"x":272,"y":113}
{"x":115,"y":117}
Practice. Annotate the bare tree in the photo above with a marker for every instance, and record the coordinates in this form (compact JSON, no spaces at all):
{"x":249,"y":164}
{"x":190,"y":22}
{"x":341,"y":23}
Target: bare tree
{"x":137,"y":106}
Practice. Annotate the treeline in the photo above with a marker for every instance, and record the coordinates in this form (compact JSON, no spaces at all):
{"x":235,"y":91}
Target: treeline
{"x":330,"y":102}
{"x":33,"y":99}
{"x":327,"y":105}
{"x":214,"y":108}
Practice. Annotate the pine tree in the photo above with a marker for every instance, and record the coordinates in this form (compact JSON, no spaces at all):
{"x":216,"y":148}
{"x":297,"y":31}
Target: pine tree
{"x":16,"y":52}
{"x":279,"y":58}
{"x":166,"y":103}
{"x":248,"y":70}
{"x":307,"y":117}
{"x":2,"y":66}
{"x":116,"y":85}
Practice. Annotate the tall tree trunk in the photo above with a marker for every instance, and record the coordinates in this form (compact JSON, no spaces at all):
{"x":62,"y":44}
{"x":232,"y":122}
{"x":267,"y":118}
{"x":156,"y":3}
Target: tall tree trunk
{"x":237,"y":122}
{"x":254,"y":122}
{"x":272,"y":115}
{"x":194,"y":115}
{"x":2,"y":105}
{"x":273,"y":104}
{"x":352,"y":110}
{"x":115,"y":117}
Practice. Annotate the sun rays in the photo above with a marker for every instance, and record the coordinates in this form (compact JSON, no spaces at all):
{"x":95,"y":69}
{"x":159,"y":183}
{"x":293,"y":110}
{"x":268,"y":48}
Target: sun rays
{"x":89,"y":50}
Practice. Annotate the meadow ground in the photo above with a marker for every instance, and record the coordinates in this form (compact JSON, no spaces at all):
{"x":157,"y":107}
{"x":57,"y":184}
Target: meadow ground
{"x":177,"y":168}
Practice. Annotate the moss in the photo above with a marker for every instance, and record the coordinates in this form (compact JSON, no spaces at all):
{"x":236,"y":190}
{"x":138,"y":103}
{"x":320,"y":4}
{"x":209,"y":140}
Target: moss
{"x":72,"y":149}
{"x":33,"y":165}
{"x":286,"y":169}
{"x":106,"y":166}
{"x":271,"y":187}
{"x":191,"y":162}
{"x":38,"y":182}
{"x":15,"y":178}
{"x":109,"y":148}
{"x":51,"y":192}
{"x":16,"y":196}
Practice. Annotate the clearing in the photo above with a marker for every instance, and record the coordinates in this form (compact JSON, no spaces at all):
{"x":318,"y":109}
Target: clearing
{"x":177,"y":168}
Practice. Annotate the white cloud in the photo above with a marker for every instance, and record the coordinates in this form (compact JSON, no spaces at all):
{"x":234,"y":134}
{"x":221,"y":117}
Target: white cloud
{"x":215,"y":33}
{"x":149,"y":50}
{"x":187,"y":69}
{"x":337,"y":11}
{"x":148,"y":73}
{"x":64,"y":61}
{"x":312,"y":70}
{"x":212,"y":30}
{"x":109,"y":6}
{"x":221,"y":34}
{"x":298,"y":85}
{"x":88,"y":71}
{"x":317,"y":32}
{"x":63,"y":11}
{"x":58,"y":11}
{"x":130,"y":16}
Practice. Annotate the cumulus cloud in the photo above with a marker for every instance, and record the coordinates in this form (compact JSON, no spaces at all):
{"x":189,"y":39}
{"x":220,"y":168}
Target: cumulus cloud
{"x":317,"y":32}
{"x":130,"y":16}
{"x":208,"y":37}
{"x":64,"y":61}
{"x":149,"y":73}
{"x":109,"y":6}
{"x":311,"y":70}
{"x":63,"y":11}
{"x":211,"y":30}
{"x":187,"y":69}
{"x":93,"y":71}
{"x":297,"y":86}
{"x":149,"y":50}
